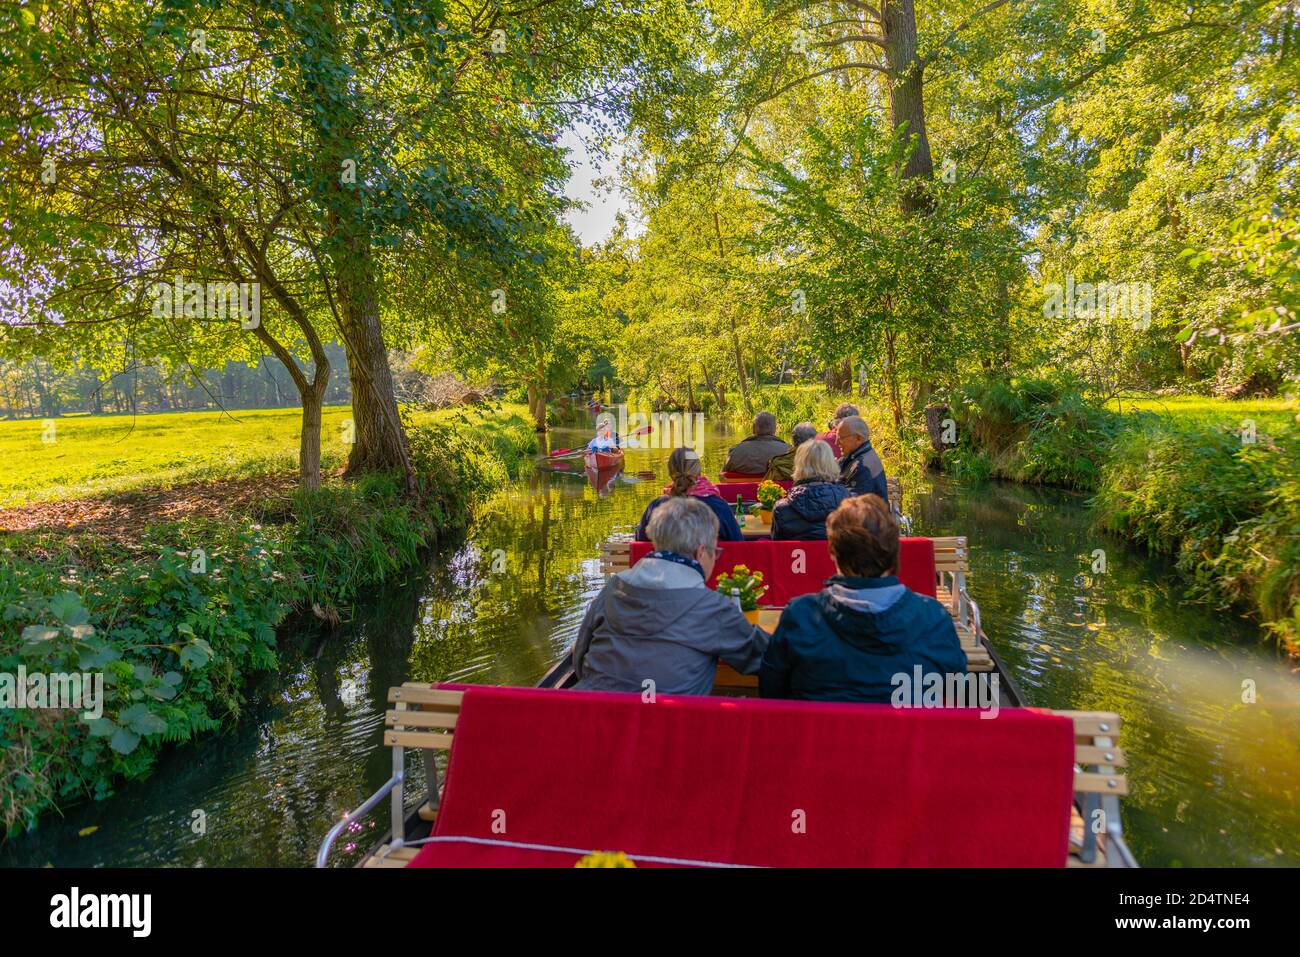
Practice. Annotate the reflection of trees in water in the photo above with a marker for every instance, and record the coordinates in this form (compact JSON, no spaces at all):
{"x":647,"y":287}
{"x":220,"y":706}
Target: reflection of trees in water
{"x":509,"y":627}
{"x":1127,"y":641}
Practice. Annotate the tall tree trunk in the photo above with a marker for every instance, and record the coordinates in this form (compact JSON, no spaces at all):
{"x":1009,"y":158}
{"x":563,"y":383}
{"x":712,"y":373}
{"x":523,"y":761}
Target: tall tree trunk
{"x":731,"y":319}
{"x":380,"y":442}
{"x":719,"y":393}
{"x":309,"y":444}
{"x":895,"y":399}
{"x":907,"y":99}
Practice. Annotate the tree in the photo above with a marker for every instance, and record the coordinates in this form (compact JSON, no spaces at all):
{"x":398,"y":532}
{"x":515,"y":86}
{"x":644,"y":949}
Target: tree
{"x":121,"y":124}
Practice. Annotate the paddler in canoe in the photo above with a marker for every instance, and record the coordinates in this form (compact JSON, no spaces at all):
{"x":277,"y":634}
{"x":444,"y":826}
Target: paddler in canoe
{"x":603,"y":451}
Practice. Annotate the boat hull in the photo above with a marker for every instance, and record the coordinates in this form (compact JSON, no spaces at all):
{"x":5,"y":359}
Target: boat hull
{"x":603,"y":461}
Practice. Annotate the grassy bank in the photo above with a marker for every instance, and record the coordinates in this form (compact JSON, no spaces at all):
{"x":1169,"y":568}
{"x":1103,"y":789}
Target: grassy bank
{"x":1213,"y":483}
{"x":179,"y":616}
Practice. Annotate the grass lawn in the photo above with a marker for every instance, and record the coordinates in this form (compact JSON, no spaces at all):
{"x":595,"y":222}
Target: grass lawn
{"x":1206,"y":410}
{"x":100,"y":455}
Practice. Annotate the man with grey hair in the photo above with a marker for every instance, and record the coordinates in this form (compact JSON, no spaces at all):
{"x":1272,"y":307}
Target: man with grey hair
{"x":781,"y":467}
{"x":750,"y":455}
{"x":860,"y":467}
{"x":842,"y":411}
{"x":658,"y":622}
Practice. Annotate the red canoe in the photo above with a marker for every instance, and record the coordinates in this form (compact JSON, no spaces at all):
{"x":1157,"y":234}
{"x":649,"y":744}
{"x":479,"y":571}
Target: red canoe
{"x":600,"y":461}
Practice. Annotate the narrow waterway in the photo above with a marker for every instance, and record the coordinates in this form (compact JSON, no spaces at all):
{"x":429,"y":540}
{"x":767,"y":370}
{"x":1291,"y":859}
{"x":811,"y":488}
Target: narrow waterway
{"x":1215,"y":780}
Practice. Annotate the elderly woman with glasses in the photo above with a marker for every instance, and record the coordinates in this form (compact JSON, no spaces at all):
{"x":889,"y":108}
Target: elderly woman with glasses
{"x":658,"y":626}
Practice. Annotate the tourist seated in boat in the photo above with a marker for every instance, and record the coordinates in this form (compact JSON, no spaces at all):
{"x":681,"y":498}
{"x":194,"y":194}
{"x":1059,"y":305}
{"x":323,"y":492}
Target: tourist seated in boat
{"x":606,"y":439}
{"x":781,"y":467}
{"x":861,"y":470}
{"x":842,"y":412}
{"x":816,"y":493}
{"x":684,"y":471}
{"x":659,"y":621}
{"x":751,"y":454}
{"x":849,"y":640}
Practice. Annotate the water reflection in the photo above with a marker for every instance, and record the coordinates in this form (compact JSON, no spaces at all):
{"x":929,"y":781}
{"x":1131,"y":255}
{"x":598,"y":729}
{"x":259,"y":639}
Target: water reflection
{"x":1213,"y":779}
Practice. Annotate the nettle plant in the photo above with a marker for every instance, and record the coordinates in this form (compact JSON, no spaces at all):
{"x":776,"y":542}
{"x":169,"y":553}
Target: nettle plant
{"x":744,"y":585}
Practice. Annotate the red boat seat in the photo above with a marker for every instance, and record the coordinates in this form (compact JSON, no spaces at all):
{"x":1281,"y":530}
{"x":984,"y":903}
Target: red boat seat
{"x":748,"y":491}
{"x":742,"y":476}
{"x":791,"y":569}
{"x":756,"y":556}
{"x":539,"y":778}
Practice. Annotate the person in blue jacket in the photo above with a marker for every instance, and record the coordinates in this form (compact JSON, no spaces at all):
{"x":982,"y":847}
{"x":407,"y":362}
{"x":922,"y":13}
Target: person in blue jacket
{"x":861,"y":470}
{"x":850,"y":641}
{"x":815,"y":493}
{"x":684,"y":470}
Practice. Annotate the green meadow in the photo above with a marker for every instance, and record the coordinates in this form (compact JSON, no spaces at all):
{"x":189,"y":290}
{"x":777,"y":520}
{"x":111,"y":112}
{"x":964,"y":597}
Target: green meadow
{"x":1207,"y":410}
{"x":104,"y":454}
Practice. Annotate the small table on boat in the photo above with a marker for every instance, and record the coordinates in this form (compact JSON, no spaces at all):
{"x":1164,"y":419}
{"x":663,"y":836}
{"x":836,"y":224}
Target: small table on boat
{"x":728,"y":678}
{"x":754,"y":526}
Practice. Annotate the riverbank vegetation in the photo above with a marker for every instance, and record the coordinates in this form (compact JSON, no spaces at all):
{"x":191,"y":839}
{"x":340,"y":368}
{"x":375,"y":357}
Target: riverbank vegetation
{"x":180,"y":614}
{"x":1213,"y":483}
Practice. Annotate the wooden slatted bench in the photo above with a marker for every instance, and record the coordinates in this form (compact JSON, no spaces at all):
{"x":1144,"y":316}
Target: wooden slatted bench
{"x":425,"y":718}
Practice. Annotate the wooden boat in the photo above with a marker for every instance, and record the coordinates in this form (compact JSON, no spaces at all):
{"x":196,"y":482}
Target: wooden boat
{"x":1099,"y":780}
{"x":603,"y":461}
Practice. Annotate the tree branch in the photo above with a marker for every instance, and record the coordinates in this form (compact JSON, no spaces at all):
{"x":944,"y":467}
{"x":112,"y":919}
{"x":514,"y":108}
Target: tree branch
{"x":965,"y":25}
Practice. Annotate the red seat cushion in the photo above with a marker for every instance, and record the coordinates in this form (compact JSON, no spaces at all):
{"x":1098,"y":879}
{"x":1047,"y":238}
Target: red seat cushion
{"x":798,"y":568}
{"x":742,"y":476}
{"x":791,"y":569}
{"x":756,"y":556}
{"x":748,"y":491}
{"x":916,"y":565}
{"x":749,"y":781}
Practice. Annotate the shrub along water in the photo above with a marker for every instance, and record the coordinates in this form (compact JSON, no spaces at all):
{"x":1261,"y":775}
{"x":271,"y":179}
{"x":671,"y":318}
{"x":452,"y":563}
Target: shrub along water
{"x":1226,"y":505}
{"x":179,"y":619}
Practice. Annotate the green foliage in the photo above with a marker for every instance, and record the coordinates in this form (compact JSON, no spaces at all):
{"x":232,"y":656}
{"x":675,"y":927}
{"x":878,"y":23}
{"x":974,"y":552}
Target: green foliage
{"x":1032,"y":430}
{"x":178,"y":638}
{"x":1227,"y":508}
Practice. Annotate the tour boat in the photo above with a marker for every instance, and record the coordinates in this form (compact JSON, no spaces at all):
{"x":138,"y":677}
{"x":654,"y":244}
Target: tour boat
{"x":934,"y":787}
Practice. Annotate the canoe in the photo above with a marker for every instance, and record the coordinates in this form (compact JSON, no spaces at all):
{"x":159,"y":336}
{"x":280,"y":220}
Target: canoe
{"x":601,"y":461}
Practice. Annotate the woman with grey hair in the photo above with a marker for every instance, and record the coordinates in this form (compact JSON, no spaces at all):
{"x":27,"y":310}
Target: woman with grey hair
{"x":816,"y":493}
{"x":658,"y":626}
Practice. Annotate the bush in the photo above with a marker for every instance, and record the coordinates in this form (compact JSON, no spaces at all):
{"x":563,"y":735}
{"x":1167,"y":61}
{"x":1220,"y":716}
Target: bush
{"x":1032,"y":430}
{"x":1227,"y":510}
{"x":180,"y":619}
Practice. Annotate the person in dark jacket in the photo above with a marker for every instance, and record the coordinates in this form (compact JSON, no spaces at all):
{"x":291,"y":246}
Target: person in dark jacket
{"x":684,"y":470}
{"x":780,"y":468}
{"x":816,"y":493}
{"x":658,"y":626}
{"x":851,"y":640}
{"x":861,"y":470}
{"x":750,"y":455}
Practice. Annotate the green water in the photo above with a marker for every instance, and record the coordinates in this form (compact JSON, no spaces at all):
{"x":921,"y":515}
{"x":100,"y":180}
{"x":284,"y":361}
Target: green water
{"x":1214,"y":781}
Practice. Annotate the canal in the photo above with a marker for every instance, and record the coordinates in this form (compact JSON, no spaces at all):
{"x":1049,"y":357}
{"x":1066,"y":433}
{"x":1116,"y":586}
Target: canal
{"x":1211,"y":715}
